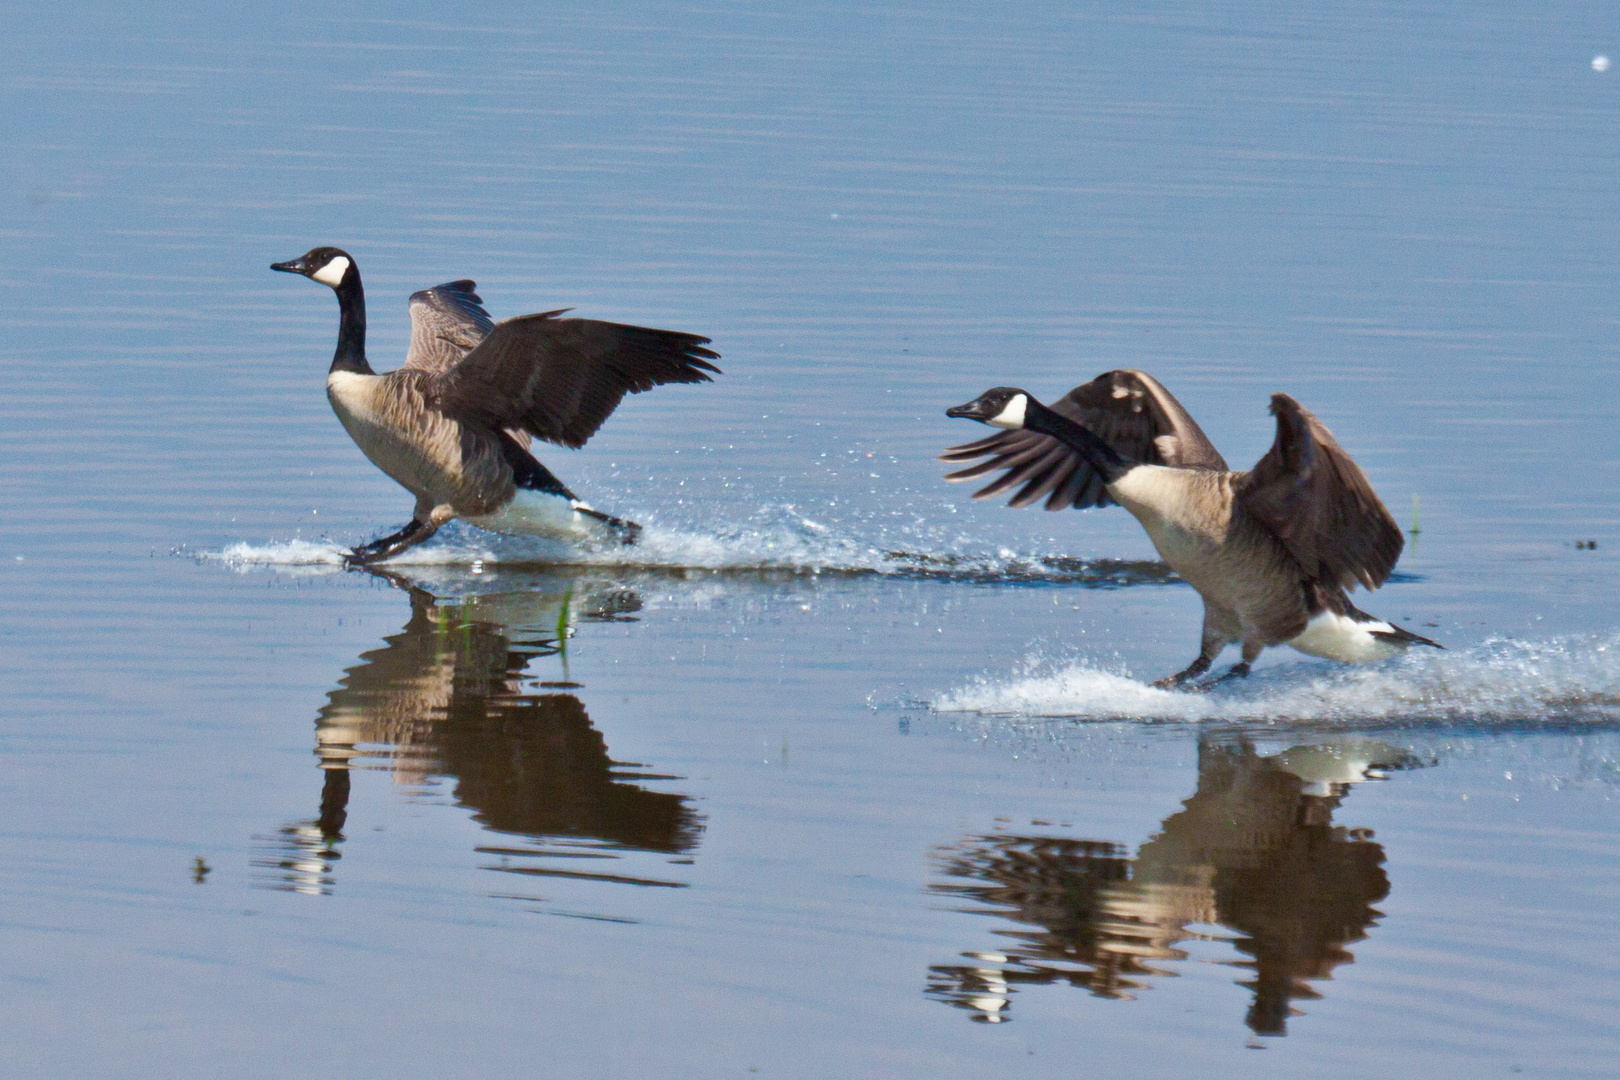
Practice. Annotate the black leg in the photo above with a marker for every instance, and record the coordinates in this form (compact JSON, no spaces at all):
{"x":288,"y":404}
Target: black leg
{"x":389,"y":546}
{"x":1195,"y":669}
{"x":334,"y":803}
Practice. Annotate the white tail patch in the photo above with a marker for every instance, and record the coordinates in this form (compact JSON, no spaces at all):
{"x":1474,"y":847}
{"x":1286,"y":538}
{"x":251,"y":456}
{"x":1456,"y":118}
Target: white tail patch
{"x":538,"y":513}
{"x":1339,"y":637}
{"x":1335,"y":765}
{"x":332,"y":273}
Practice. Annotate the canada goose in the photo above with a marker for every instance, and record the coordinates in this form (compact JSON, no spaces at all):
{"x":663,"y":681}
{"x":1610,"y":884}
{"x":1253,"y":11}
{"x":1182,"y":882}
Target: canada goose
{"x":453,"y":425}
{"x":448,"y":697}
{"x":1253,"y":849}
{"x":1272,"y":551}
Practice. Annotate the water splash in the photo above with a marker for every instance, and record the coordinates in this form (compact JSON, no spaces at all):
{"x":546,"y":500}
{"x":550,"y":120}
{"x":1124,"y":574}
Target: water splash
{"x":308,"y":556}
{"x":1570,"y":680}
{"x":775,"y":539}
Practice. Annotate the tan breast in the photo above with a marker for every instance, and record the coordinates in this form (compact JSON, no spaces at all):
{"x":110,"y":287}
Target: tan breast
{"x":1185,"y":511}
{"x":427,"y":453}
{"x":1229,"y":558}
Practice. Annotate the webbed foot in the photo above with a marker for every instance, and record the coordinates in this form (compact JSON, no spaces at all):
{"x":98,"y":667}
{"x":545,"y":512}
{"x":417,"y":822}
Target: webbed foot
{"x":626,"y":531}
{"x":391,"y":545}
{"x":1195,"y":669}
{"x":1239,"y":670}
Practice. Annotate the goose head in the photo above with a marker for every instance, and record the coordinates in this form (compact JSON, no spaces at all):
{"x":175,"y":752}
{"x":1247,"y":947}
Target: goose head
{"x":327,"y":265}
{"x":1002,"y":407}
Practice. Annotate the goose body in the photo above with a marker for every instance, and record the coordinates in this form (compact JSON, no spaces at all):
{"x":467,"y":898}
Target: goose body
{"x":1272,"y":551}
{"x":453,"y":425}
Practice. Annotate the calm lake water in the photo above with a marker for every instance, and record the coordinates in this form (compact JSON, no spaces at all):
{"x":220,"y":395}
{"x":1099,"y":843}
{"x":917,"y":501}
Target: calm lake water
{"x":839,"y":773}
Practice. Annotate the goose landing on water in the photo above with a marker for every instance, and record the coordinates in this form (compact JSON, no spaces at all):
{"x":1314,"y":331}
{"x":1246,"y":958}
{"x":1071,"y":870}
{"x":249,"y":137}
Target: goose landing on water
{"x":1272,"y":551}
{"x":453,"y":425}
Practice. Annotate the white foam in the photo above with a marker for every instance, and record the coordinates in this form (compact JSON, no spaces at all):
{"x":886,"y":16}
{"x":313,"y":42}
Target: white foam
{"x":774,"y":538}
{"x":314,"y":556}
{"x":459,"y":545}
{"x":1565,"y":679}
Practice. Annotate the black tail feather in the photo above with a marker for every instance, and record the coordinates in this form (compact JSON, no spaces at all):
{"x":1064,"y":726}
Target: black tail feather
{"x":1398,"y":635}
{"x":527,"y":472}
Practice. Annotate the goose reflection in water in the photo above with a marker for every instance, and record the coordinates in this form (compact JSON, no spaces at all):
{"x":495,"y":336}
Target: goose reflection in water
{"x":444,"y":698}
{"x":1254,"y":850}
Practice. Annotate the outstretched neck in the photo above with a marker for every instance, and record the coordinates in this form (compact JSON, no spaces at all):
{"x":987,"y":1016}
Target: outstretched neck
{"x":351,"y":343}
{"x":1098,"y":454}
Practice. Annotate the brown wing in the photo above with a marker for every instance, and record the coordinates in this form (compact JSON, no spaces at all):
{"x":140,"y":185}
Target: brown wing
{"x":1317,"y":501}
{"x":559,"y":379}
{"x":1129,"y":410}
{"x":447,"y":322}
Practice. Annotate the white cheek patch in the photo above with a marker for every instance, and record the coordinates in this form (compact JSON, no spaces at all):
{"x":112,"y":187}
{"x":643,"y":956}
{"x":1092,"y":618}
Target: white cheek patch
{"x":1011,"y":415}
{"x":332,"y":273}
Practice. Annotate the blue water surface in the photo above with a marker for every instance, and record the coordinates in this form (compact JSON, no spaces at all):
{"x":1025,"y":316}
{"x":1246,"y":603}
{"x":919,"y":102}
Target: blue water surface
{"x":840,"y":773}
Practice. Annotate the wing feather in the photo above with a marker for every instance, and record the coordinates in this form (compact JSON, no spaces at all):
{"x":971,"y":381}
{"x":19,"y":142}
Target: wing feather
{"x":1129,"y":410}
{"x":1011,"y":454}
{"x":1044,"y":475}
{"x":559,"y":379}
{"x":447,"y":322}
{"x":1024,"y":466}
{"x":1065,"y":494}
{"x":1310,"y":494}
{"x":969,"y":451}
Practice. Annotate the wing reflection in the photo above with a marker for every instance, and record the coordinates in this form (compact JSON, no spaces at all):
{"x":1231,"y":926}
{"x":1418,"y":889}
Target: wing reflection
{"x":1254,"y":851}
{"x":444,"y":698}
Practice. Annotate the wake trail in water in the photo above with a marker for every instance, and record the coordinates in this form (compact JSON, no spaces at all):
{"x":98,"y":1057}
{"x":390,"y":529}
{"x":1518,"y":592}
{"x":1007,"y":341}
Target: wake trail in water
{"x":796,"y":545}
{"x":1561,"y":680}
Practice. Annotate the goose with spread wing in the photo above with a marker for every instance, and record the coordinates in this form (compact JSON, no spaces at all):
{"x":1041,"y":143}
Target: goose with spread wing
{"x":453,"y":425}
{"x":1273,"y":551}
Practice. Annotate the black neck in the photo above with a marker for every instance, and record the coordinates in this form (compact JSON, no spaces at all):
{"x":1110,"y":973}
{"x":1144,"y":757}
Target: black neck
{"x":351,"y":344}
{"x":1098,"y":454}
